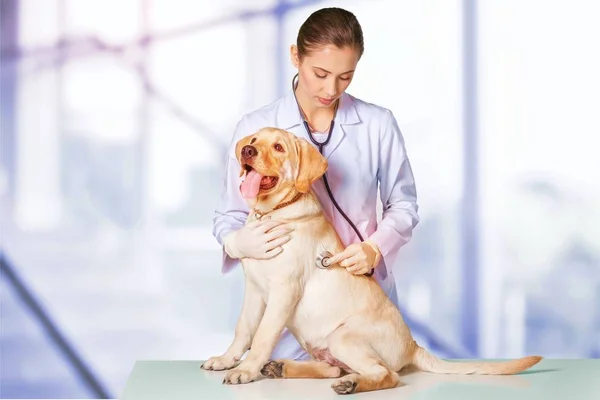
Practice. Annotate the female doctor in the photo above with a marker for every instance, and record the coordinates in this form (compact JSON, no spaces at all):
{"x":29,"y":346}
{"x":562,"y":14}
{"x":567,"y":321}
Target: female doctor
{"x":365,"y":152}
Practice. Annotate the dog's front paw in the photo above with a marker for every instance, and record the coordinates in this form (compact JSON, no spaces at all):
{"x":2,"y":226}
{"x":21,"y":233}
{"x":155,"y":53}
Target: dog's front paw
{"x":219,"y":363}
{"x":240,"y":375}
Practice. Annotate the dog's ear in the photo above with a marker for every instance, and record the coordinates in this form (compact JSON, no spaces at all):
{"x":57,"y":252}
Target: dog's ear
{"x":311,"y":165}
{"x":238,"y":151}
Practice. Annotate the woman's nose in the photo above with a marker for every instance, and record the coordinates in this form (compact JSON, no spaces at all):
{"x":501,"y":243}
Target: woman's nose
{"x":331,"y":92}
{"x":331,"y":88}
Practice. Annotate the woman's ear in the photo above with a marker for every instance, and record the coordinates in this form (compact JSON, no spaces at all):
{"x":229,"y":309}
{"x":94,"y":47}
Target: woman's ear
{"x":294,"y":56}
{"x":311,"y":165}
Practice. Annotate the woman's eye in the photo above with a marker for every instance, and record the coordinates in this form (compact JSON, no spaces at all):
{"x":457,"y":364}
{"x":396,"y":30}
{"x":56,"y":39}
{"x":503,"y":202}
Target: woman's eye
{"x":321,"y":77}
{"x":278,"y":147}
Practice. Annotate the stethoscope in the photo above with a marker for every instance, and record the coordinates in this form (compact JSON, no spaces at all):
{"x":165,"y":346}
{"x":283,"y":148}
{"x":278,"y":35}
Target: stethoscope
{"x":323,"y":259}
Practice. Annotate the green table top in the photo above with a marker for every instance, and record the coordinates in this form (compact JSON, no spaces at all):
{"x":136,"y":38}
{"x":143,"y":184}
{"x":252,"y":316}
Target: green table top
{"x":572,"y":379}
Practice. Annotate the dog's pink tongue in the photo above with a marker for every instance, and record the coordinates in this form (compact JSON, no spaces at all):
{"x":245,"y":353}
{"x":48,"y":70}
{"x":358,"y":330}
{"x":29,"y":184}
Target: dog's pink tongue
{"x":251,"y":185}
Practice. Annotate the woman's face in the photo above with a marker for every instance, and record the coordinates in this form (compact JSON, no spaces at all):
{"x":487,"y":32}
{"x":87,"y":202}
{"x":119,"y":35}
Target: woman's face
{"x":325,"y":73}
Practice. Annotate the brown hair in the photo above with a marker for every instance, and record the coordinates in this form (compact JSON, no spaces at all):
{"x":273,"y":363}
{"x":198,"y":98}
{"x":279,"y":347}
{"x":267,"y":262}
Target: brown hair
{"x":330,"y":26}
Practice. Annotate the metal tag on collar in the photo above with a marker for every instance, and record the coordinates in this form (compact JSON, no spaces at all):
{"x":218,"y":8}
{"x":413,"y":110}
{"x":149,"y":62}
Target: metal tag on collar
{"x":260,"y":216}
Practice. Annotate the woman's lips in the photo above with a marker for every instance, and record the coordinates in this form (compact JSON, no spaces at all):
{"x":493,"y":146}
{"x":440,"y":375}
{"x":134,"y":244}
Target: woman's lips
{"x":325,"y":101}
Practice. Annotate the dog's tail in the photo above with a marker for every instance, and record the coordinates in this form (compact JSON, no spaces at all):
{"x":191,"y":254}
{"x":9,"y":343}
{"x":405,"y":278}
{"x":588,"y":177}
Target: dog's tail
{"x":427,"y":362}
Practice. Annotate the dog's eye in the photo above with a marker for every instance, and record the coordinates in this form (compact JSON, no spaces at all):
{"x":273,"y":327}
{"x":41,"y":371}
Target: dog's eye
{"x":253,"y":140}
{"x":278,"y":147}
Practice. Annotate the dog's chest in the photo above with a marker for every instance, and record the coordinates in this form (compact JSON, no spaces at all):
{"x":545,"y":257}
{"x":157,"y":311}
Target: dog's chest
{"x":263,"y":273}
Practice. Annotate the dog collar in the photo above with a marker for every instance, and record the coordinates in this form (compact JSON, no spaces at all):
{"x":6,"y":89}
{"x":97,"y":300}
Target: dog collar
{"x":260,"y":215}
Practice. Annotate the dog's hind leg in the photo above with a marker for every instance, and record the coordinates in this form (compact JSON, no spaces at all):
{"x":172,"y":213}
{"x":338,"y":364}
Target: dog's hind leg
{"x":370,"y":372}
{"x":285,"y":368}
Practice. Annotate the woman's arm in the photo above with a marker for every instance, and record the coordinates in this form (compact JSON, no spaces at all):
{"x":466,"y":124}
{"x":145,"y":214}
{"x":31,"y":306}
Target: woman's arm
{"x":397,"y":191}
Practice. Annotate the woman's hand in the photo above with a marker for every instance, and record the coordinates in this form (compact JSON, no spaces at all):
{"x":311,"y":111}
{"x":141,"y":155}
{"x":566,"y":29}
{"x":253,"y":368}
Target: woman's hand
{"x":258,"y":240}
{"x":358,"y":258}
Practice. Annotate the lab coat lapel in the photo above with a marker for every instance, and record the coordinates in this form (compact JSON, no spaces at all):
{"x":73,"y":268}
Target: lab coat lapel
{"x":288,"y":117}
{"x":346,"y":115}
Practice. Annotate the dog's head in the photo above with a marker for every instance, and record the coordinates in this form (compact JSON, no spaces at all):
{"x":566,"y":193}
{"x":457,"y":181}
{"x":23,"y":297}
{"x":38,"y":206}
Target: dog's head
{"x":276,"y":162}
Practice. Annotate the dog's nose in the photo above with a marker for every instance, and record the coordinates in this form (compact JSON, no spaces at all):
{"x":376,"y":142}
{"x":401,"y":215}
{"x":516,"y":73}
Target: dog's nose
{"x":249,"y":152}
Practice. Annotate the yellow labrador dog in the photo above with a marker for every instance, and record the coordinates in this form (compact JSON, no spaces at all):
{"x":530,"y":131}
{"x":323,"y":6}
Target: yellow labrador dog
{"x":345,"y":322}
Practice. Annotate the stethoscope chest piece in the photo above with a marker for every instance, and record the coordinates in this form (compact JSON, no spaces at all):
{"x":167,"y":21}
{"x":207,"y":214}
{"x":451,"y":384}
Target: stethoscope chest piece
{"x":323,"y":260}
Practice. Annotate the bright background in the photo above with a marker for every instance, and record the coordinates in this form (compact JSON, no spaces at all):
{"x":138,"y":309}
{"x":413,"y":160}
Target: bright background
{"x":116,"y":116}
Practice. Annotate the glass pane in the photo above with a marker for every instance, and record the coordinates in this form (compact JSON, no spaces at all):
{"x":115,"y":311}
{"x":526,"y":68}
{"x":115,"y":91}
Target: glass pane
{"x":190,"y":71}
{"x":32,"y":367}
{"x":40,"y":28}
{"x":540,"y":92}
{"x":116,"y":187}
{"x":174,"y":15}
{"x":111,"y":21}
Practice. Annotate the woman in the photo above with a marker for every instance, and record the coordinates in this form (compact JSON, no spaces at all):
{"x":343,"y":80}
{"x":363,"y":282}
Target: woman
{"x":365,"y":153}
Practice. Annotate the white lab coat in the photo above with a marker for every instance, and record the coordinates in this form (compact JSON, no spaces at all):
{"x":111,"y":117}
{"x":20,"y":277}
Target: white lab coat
{"x":366,"y":150}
